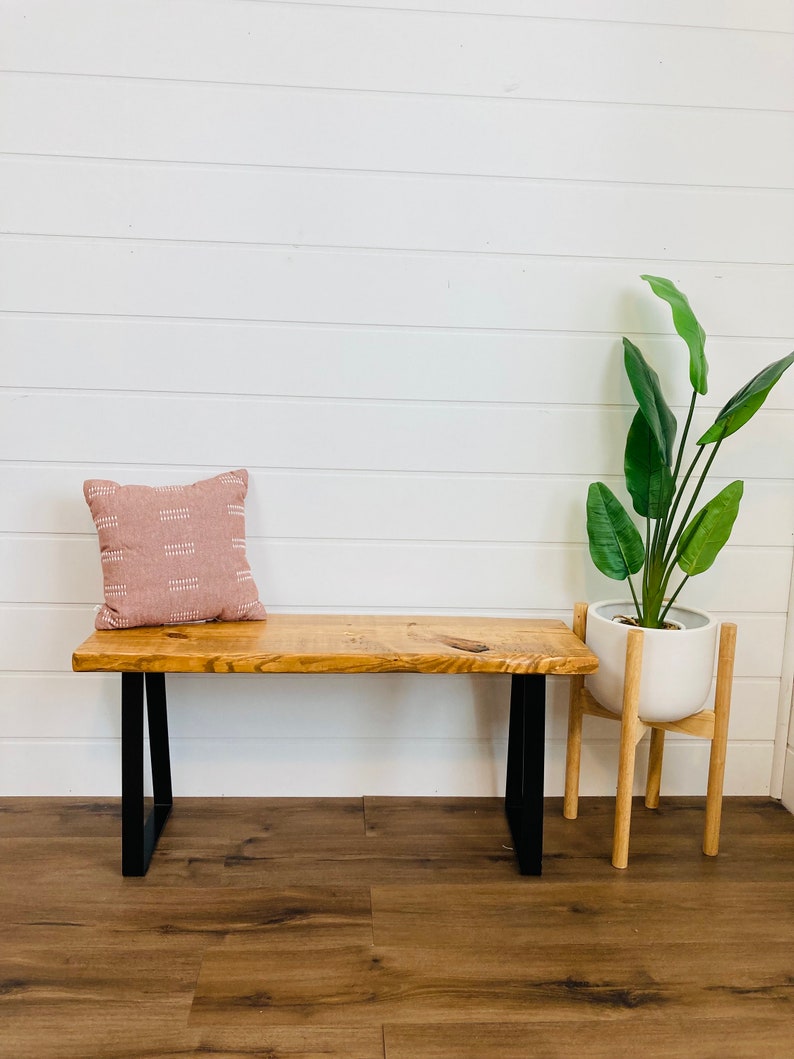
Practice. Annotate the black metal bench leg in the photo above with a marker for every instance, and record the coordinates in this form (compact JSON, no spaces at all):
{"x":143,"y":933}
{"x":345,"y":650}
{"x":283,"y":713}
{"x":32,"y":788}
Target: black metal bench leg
{"x":139,"y":834}
{"x":525,"y":764}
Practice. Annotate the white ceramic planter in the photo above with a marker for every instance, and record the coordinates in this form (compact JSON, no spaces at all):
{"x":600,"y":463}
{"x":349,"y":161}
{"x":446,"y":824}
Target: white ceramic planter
{"x":677,"y":665}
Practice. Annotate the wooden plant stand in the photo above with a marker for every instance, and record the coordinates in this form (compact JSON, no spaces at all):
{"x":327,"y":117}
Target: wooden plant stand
{"x":708,"y":724}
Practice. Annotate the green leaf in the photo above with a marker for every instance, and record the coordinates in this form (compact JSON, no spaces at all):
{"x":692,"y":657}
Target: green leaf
{"x":648,"y":391}
{"x":616,"y":546}
{"x":688,"y":328}
{"x":648,"y":478}
{"x":746,"y":402}
{"x":708,"y":531}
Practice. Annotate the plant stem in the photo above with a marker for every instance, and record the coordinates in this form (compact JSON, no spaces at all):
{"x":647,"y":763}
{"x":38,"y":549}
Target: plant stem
{"x":672,"y":599}
{"x":662,"y":526}
{"x":636,"y":601}
{"x":680,"y":492}
{"x":698,"y":488}
{"x":659,"y":568}
{"x":684,"y":436}
{"x":645,"y":576}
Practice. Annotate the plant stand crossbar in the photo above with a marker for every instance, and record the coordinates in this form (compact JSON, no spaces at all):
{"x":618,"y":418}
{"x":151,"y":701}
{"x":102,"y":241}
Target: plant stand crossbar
{"x":707,"y":724}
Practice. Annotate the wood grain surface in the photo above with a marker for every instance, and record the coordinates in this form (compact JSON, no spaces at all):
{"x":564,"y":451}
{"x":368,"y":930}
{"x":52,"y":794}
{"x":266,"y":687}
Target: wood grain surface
{"x":394,"y":929}
{"x":342,"y":643}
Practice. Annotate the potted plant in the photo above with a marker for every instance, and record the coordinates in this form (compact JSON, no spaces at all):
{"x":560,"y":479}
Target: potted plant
{"x":665,"y":478}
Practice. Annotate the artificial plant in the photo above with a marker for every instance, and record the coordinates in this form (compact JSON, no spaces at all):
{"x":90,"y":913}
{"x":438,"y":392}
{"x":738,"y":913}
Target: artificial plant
{"x":663,"y":486}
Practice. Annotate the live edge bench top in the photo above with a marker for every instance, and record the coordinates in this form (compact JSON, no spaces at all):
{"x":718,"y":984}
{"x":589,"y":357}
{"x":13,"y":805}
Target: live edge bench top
{"x":342,"y":643}
{"x":526,"y":648}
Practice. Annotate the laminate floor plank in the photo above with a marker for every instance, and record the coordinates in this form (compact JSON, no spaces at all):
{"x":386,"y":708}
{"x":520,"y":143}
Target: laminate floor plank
{"x":288,"y":1042}
{"x":274,"y":819}
{"x":59,"y":818}
{"x":33,"y":865}
{"x":73,"y":862}
{"x":734,"y":864}
{"x":392,"y":817}
{"x":368,"y":985}
{"x":661,"y":1037}
{"x":313,"y":915}
{"x":108,"y":1036}
{"x":581,"y":913}
{"x":53,"y":972}
{"x":112,"y":1033}
{"x":666,"y":843}
{"x":366,"y":861}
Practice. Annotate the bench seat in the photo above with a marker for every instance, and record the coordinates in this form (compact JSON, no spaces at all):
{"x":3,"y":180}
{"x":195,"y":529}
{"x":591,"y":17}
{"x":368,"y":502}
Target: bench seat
{"x":528,"y":649}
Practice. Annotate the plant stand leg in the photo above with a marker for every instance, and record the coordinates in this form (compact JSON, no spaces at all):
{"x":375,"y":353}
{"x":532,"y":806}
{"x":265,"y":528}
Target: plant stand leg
{"x":628,"y":744}
{"x":653,"y":785}
{"x":573,"y":752}
{"x":719,"y":742}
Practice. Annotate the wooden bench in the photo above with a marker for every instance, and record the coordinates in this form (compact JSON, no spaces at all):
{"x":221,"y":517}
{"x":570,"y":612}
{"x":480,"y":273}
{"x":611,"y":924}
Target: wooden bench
{"x":528,"y":649}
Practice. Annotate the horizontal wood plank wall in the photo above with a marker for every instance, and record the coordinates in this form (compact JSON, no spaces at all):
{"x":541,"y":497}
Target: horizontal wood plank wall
{"x":382,"y":256}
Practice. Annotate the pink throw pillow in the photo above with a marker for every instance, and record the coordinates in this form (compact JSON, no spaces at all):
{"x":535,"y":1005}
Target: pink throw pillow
{"x":173,"y":553}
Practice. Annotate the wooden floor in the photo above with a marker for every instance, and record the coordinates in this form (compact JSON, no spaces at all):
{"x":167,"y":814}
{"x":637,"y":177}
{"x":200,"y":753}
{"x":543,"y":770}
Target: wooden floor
{"x":396,"y":929}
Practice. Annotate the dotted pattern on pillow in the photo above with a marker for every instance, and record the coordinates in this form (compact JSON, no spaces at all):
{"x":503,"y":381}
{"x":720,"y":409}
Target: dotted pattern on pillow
{"x":174,"y":553}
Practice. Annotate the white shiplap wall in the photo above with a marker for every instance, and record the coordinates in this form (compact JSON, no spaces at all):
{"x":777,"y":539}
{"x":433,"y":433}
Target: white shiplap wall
{"x":382,"y":256}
